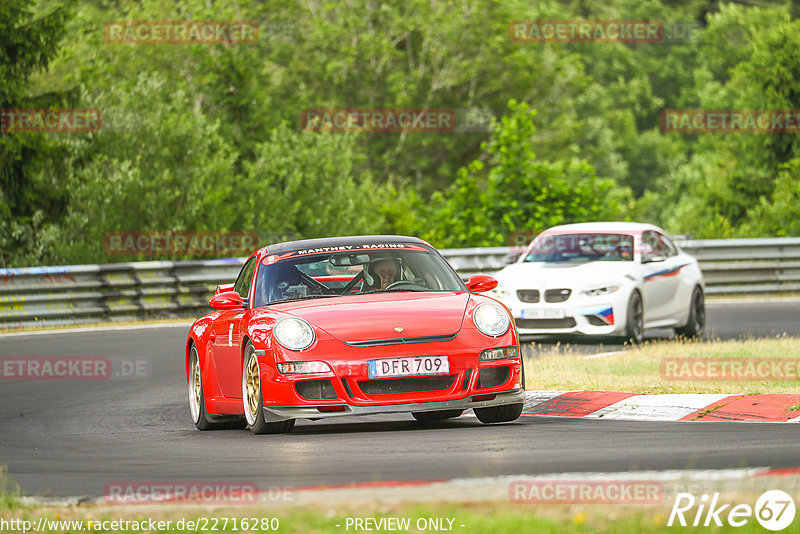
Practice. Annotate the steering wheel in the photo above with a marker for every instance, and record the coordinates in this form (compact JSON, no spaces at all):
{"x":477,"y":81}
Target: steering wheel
{"x":400,"y":283}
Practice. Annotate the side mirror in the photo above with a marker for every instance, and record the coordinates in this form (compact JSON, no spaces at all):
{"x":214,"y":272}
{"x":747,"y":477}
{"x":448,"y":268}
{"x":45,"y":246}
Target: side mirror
{"x":222,"y":288}
{"x":510,"y":258}
{"x":227,"y":300}
{"x":653,"y":259}
{"x":480,"y":283}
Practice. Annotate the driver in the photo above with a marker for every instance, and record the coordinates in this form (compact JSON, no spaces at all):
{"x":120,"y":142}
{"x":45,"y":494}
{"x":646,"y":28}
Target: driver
{"x":384,"y":272}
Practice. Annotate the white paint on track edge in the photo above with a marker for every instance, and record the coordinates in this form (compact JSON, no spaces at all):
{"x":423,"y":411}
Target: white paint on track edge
{"x":105,"y":328}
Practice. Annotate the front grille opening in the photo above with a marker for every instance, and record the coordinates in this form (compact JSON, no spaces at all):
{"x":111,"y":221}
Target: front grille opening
{"x":467,"y":375}
{"x":566,"y":322}
{"x":347,"y":388}
{"x":557,"y":295}
{"x":596,"y":321}
{"x":406,"y":385}
{"x":315,"y":389}
{"x":528,"y":295}
{"x":493,"y":376}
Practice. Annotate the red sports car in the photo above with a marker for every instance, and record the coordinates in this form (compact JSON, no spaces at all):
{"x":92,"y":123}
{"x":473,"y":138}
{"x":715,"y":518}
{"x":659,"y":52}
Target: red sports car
{"x":344,"y":326}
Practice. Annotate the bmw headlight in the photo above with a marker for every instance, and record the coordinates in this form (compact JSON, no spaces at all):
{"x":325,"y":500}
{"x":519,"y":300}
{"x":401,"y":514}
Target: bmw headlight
{"x":598,"y":291}
{"x":293,"y":333}
{"x":491,"y":319}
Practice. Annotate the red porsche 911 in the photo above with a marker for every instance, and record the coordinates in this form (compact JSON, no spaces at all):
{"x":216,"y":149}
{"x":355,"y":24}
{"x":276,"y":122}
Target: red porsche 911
{"x":348,"y":326}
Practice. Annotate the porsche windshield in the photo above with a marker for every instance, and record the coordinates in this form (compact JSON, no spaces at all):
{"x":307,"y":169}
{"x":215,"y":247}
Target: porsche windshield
{"x":353,"y":273}
{"x":583,"y":247}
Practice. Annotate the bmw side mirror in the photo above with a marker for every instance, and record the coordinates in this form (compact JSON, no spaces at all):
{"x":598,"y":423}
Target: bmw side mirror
{"x":653,"y":259}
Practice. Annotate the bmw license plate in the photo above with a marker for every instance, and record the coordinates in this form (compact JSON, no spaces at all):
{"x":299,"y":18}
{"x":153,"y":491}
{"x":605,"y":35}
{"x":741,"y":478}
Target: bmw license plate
{"x":542,"y":313}
{"x":413,"y":366}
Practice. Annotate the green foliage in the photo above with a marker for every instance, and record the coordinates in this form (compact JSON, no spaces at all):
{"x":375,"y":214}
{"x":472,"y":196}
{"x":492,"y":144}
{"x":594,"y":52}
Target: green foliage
{"x":206,"y":137}
{"x":308,"y":184}
{"x":517,"y":192}
{"x":778,"y":215}
{"x":29,"y":201}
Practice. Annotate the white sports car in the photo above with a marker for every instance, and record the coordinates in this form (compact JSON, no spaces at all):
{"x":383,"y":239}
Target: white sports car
{"x":603,"y":279}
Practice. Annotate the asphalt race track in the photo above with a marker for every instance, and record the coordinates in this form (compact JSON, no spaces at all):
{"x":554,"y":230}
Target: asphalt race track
{"x":72,"y":438}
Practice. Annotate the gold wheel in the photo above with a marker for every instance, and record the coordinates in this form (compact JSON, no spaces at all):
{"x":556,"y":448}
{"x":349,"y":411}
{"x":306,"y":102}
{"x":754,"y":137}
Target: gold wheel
{"x":253,"y":384}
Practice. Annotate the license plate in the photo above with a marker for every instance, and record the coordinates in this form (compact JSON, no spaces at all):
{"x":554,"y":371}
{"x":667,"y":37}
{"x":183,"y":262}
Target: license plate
{"x":542,"y":313}
{"x":413,"y":366}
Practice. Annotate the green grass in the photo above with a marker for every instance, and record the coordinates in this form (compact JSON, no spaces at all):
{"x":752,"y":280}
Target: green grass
{"x":9,"y":492}
{"x":637,"y":370}
{"x":476,"y":518}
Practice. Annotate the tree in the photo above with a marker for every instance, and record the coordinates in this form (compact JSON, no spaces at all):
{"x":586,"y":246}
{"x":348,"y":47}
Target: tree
{"x":30,"y":199}
{"x":517,"y":192}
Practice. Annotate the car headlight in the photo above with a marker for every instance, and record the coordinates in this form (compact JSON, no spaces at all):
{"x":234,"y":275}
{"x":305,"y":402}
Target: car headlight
{"x":293,"y":333}
{"x":598,"y":291}
{"x":299,"y":368}
{"x":499,"y":354}
{"x":491,"y":319}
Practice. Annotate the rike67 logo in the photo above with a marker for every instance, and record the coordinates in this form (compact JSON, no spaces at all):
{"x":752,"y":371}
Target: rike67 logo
{"x":774,"y":510}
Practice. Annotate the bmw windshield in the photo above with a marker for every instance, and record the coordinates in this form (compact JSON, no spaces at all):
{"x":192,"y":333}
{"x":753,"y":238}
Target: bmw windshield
{"x":580,"y":247}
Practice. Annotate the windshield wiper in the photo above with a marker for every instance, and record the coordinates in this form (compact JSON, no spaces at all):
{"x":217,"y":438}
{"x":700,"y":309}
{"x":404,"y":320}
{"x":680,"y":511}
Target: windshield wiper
{"x":307,"y":297}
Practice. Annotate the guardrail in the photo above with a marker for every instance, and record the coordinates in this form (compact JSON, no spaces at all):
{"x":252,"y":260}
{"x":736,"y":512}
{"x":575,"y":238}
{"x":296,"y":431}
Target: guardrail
{"x":87,"y":293}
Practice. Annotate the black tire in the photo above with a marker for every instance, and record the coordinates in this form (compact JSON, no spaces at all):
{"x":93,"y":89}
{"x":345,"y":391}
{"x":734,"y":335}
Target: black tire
{"x":253,"y":400}
{"x":439,"y":415}
{"x":697,"y":316}
{"x":634,"y":320}
{"x":197,"y":401}
{"x":498,"y":414}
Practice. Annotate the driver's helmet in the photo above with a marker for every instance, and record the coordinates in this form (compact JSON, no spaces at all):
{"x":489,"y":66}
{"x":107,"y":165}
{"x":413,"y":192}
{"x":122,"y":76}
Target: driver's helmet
{"x":371,"y":278}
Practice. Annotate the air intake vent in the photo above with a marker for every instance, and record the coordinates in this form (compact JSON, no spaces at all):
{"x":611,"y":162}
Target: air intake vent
{"x":315,"y":389}
{"x":528,"y":295}
{"x":406,"y":385}
{"x":557,"y":295}
{"x":490,"y":377}
{"x":567,"y":322}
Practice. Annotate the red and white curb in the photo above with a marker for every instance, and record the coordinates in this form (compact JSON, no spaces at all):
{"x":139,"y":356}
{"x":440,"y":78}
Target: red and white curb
{"x":768,"y":408}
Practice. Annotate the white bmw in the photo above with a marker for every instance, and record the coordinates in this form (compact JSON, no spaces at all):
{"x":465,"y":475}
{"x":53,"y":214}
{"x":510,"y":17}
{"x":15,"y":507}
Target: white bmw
{"x":604,"y":279}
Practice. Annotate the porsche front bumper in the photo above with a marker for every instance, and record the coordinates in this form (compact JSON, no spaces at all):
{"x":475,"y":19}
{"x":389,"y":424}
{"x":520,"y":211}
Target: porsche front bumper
{"x":274,"y":414}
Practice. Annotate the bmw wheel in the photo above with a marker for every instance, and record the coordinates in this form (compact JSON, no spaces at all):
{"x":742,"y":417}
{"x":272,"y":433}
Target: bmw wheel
{"x":634,"y":324}
{"x":697,"y":316}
